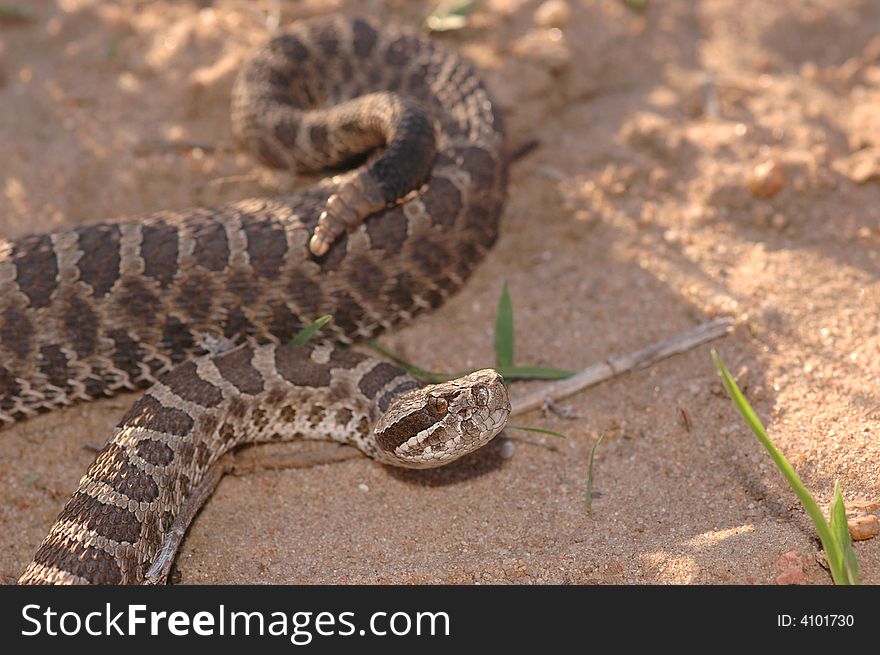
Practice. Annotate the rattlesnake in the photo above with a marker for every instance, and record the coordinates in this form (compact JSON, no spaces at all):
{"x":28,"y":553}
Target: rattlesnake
{"x":113,"y":306}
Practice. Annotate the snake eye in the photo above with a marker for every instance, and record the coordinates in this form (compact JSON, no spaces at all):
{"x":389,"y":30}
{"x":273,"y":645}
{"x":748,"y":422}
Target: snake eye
{"x":481,"y":395}
{"x":437,"y":405}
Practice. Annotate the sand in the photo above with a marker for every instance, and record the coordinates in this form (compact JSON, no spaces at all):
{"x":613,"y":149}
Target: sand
{"x":636,"y":215}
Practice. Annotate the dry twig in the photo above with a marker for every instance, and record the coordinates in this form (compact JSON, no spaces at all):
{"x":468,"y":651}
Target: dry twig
{"x":617,"y":365}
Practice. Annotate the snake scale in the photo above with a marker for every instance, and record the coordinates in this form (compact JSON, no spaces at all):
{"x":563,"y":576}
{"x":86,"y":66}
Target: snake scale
{"x":113,"y":306}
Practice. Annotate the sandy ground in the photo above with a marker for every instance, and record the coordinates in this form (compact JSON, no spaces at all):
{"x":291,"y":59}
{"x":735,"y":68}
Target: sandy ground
{"x":637,"y":216}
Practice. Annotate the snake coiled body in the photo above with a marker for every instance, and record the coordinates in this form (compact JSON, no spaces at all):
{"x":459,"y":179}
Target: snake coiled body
{"x":114,"y":525}
{"x":111,"y":306}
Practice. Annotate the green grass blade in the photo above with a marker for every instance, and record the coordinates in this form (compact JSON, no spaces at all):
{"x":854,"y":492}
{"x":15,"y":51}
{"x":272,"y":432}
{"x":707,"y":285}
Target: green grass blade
{"x":840,"y":530}
{"x":837,"y":516}
{"x":423,"y":374}
{"x":449,"y":15}
{"x":529,"y":428}
{"x":829,"y":542}
{"x":504,"y":331}
{"x":532,"y":373}
{"x":590,"y":475}
{"x":14,"y":13}
{"x":302,"y":337}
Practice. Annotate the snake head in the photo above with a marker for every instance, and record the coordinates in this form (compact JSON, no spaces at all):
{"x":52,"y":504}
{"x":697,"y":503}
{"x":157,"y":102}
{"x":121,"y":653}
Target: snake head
{"x":439,"y":423}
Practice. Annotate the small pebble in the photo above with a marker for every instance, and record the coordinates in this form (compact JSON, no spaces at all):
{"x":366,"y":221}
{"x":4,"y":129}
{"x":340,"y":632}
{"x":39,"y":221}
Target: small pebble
{"x":508,"y":448}
{"x":779,"y":221}
{"x":363,"y":487}
{"x":864,"y":166}
{"x":547,"y":48}
{"x":809,"y":70}
{"x":864,"y":527}
{"x":766,"y":180}
{"x":552,"y":13}
{"x":792,"y":566}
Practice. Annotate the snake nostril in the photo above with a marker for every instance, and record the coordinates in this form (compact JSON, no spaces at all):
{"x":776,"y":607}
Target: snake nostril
{"x":481,"y":395}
